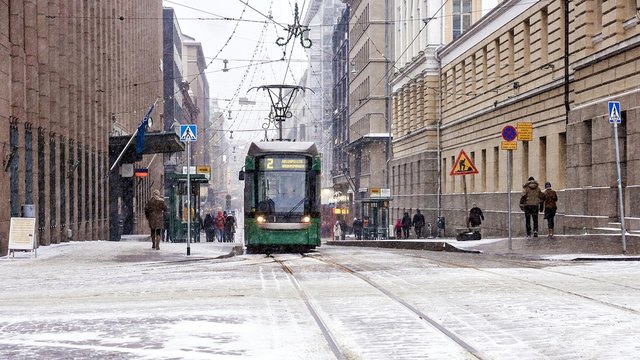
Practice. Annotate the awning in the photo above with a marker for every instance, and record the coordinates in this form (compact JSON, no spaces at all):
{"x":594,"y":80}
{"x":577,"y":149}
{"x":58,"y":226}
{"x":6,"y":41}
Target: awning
{"x":154,"y":143}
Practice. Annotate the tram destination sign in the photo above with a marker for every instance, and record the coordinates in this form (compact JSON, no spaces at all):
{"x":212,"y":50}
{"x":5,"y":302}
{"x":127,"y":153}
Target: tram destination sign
{"x":280,"y":163}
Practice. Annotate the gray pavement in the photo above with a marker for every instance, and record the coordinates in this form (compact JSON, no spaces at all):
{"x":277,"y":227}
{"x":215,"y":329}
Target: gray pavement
{"x":568,"y":247}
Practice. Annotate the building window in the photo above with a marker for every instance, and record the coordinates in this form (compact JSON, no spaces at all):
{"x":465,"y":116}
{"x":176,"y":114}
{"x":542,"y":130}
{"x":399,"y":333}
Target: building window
{"x":79,"y":182}
{"x":28,"y":164}
{"x":544,"y":35}
{"x":496,"y":62}
{"x":63,"y":183}
{"x":72,"y":167}
{"x":13,"y":165}
{"x":526,"y":47}
{"x":41,"y":182}
{"x":52,"y":182}
{"x":543,"y":159}
{"x":461,"y":17}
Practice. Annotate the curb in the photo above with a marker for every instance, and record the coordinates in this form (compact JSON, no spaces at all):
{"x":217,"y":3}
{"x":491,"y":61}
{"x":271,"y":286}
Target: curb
{"x":410,"y":245}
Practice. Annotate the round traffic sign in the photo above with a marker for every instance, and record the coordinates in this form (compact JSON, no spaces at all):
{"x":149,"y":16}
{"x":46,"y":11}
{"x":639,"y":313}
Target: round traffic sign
{"x":509,"y":133}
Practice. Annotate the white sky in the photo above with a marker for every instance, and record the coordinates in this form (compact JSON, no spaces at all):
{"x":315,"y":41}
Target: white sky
{"x":243,"y":45}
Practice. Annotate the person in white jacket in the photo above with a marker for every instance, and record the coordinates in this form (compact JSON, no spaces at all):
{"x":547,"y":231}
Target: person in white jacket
{"x":337,"y":230}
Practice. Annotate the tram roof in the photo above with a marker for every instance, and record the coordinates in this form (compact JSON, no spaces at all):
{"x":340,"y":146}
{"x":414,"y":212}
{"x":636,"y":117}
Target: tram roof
{"x":259,"y":148}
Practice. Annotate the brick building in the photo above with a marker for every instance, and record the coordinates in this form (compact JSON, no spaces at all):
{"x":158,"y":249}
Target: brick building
{"x":72,"y":73}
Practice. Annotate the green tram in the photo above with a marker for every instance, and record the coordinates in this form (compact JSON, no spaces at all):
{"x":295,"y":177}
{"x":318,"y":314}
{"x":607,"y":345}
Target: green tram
{"x":281,"y":197}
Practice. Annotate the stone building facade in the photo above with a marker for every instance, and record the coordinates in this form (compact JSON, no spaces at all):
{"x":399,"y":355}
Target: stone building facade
{"x":72,"y":73}
{"x":369,"y":134}
{"x":552,"y":64}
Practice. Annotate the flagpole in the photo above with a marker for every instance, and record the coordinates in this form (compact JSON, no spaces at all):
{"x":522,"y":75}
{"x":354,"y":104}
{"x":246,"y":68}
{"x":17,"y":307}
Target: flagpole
{"x":133,"y":136}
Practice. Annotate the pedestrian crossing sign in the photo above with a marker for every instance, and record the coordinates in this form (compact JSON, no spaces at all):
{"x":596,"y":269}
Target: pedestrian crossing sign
{"x":188,"y":133}
{"x":463,"y":165}
{"x":614,"y":112}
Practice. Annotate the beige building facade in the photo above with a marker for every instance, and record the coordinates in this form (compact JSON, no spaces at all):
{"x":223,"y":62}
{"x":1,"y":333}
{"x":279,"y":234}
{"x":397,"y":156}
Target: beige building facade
{"x":510,"y":67}
{"x":72,"y":73}
{"x":368,"y":126}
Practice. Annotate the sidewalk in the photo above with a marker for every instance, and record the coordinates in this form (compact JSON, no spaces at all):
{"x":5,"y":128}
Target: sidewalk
{"x":561,"y":247}
{"x":133,"y":248}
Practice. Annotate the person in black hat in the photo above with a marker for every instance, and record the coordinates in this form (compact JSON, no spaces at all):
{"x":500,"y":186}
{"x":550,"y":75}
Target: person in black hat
{"x":532,"y":196}
{"x":550,"y":199}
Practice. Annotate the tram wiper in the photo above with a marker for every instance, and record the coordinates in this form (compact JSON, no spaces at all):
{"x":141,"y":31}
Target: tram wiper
{"x":295,"y":207}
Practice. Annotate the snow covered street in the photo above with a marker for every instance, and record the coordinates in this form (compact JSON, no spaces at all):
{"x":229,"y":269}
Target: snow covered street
{"x":122,"y":300}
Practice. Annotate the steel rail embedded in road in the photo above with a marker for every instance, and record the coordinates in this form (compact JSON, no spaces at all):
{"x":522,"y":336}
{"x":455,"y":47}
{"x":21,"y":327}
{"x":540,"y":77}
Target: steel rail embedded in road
{"x":422,"y":316}
{"x":335,"y":348}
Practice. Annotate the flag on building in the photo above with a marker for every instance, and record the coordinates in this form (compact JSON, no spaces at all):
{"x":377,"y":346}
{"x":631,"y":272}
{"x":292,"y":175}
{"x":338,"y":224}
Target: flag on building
{"x":141,"y":130}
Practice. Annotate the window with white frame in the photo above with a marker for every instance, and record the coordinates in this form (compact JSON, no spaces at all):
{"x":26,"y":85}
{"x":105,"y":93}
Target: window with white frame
{"x":461,"y":17}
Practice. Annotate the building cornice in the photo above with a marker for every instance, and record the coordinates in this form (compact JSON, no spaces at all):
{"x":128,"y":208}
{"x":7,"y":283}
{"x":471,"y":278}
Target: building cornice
{"x":489,"y":24}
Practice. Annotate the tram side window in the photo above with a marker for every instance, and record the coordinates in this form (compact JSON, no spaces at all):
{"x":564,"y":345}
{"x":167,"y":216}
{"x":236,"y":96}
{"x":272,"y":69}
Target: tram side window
{"x":249,"y":198}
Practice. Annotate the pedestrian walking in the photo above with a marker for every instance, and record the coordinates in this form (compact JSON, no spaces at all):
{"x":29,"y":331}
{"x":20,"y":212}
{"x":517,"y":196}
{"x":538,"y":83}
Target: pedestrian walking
{"x":550,"y":199}
{"x":219,"y":226}
{"x":475,"y":216}
{"x":337,"y":230}
{"x":209,"y":227}
{"x":343,"y":230}
{"x":154,"y":211}
{"x":229,"y":228}
{"x":532,"y":196}
{"x":406,"y":224}
{"x":357,"y":228}
{"x":418,"y":223}
{"x":398,"y":228}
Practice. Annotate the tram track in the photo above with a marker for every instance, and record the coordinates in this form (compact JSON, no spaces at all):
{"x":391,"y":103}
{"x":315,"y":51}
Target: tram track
{"x":421,"y":316}
{"x":333,"y":344}
{"x":522,"y":263}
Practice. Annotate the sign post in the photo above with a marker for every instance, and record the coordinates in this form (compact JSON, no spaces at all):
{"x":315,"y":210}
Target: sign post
{"x":464,"y":166}
{"x":509,"y":133}
{"x":188,"y":134}
{"x":615,"y":118}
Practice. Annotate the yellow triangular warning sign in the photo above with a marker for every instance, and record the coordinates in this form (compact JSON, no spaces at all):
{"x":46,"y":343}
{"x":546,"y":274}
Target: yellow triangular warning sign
{"x":463,"y":165}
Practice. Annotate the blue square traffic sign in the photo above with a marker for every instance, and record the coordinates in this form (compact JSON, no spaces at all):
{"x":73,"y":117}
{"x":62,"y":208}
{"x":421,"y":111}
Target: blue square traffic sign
{"x":614,"y":112}
{"x":188,"y":133}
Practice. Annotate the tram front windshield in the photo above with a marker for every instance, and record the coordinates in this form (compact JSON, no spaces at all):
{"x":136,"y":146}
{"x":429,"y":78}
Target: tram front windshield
{"x":281,"y":184}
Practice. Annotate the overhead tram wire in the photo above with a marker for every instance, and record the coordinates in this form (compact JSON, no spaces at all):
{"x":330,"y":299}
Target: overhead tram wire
{"x":259,"y":47}
{"x":270,"y":18}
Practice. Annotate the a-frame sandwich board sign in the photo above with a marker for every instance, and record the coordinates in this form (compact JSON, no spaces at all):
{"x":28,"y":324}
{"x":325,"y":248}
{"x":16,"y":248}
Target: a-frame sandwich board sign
{"x":463,"y":165}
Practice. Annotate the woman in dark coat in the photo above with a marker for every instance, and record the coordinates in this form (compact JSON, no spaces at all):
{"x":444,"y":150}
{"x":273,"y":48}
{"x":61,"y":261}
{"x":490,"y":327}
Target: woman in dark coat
{"x":154,"y":211}
{"x":209,"y":227}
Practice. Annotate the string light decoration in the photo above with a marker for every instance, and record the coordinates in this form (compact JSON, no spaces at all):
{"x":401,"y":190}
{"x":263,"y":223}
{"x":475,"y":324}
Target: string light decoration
{"x":296,"y":30}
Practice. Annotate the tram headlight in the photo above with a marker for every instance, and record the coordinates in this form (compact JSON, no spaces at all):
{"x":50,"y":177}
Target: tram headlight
{"x":260,"y":219}
{"x":306,"y":219}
